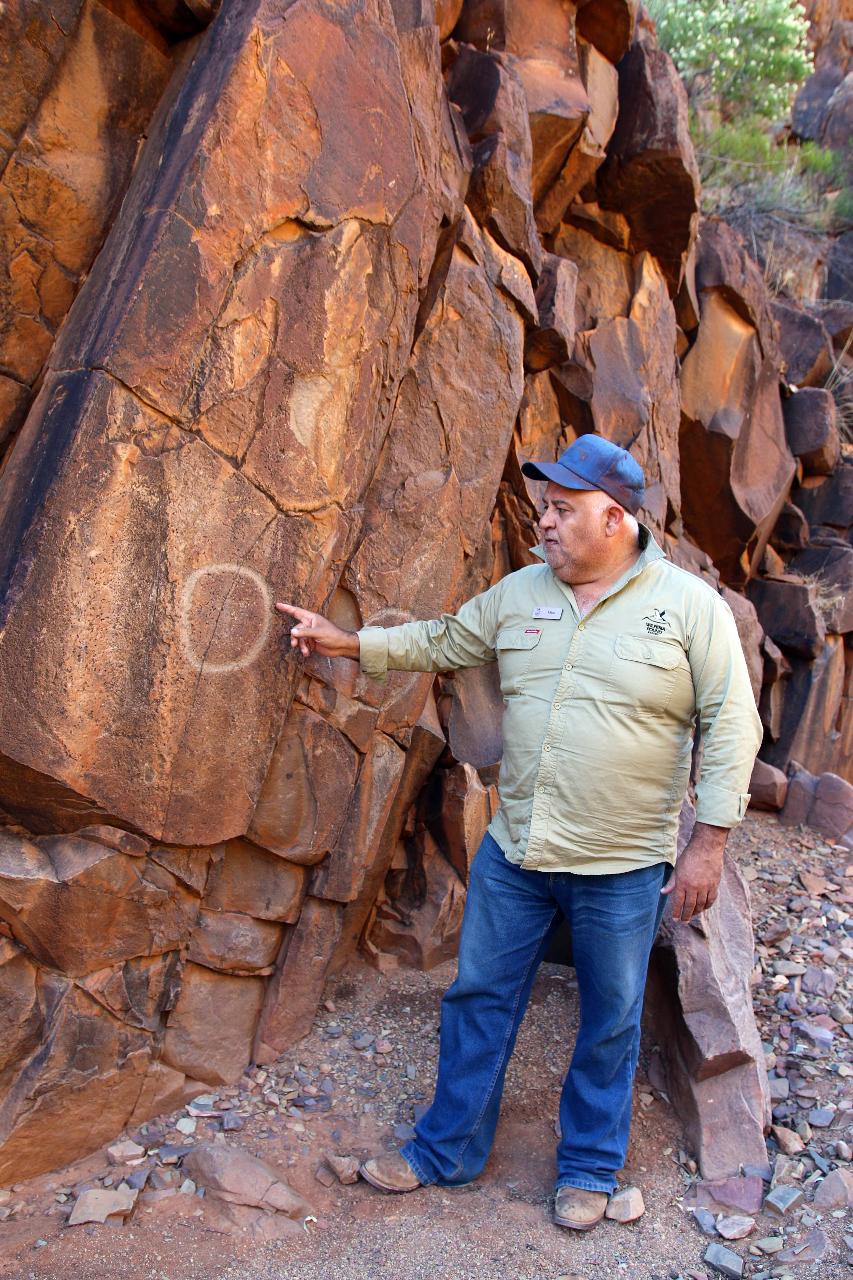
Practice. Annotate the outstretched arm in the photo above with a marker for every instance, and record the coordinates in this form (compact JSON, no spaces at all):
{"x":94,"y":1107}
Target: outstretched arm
{"x":463,"y":639}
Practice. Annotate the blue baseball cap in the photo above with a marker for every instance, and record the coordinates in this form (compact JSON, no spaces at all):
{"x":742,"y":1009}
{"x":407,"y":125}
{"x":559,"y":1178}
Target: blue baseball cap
{"x":592,"y":462}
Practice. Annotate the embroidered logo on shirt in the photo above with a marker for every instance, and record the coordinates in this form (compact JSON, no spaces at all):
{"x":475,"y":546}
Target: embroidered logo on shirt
{"x":532,"y":631}
{"x":656,"y":622}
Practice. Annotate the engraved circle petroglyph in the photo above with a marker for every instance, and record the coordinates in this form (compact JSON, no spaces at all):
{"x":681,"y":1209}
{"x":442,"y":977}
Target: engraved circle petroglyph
{"x":248,"y":656}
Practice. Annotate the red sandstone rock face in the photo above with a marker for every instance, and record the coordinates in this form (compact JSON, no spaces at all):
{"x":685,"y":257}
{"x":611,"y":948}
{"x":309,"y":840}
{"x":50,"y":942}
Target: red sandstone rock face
{"x":88,"y":81}
{"x":732,"y":434}
{"x":712,"y":1052}
{"x":358,"y":277}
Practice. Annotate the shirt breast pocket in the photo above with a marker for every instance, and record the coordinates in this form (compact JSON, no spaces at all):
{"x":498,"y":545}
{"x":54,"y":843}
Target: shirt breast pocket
{"x":514,"y":650}
{"x":643,"y":673}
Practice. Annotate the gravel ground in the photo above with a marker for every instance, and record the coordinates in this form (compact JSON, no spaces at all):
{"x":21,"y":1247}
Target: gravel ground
{"x":331,"y":1096}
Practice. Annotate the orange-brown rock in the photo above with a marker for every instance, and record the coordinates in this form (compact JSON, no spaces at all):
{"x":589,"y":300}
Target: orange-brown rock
{"x":209,"y":1032}
{"x":828,"y":500}
{"x":815,"y":725}
{"x":341,"y":875}
{"x":464,"y":807}
{"x":175,"y":438}
{"x":538,"y":37}
{"x":700,"y":1002}
{"x":828,"y":563}
{"x":490,"y":95}
{"x":434,"y":488}
{"x":751,"y":636}
{"x":294,"y":991}
{"x":788,"y":610}
{"x":601,"y":82}
{"x":768,"y":787}
{"x":552,"y":340}
{"x":426,"y":744}
{"x":234,"y":943}
{"x":305,"y":797}
{"x":421,"y":928}
{"x":608,"y":24}
{"x":736,"y":465}
{"x":88,"y":1077}
{"x":805,"y":345}
{"x":248,"y":879}
{"x":139,"y":991}
{"x":79,"y":906}
{"x":650,"y":173}
{"x":777,"y":668}
{"x":82,"y":81}
{"x":474,"y":724}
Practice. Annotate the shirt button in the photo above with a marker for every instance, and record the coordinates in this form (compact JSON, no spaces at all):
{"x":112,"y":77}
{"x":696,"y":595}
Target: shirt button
{"x":547,"y":747}
{"x":568,"y":666}
{"x":557,"y":706}
{"x":580,"y":626}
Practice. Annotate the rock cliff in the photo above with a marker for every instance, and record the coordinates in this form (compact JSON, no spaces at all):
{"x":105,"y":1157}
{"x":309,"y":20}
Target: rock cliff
{"x":290,"y":291}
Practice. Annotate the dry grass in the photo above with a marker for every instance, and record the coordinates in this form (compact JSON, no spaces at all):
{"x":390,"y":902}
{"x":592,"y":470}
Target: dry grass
{"x":840,"y":382}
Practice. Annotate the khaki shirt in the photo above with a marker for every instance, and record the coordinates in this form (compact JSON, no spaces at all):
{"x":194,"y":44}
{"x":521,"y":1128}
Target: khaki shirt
{"x":599,"y":711}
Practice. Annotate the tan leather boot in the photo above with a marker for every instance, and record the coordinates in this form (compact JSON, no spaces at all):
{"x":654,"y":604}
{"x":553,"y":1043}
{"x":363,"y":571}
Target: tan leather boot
{"x":579,"y":1210}
{"x":390,"y":1173}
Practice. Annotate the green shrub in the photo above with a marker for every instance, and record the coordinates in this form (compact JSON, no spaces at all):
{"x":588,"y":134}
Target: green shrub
{"x":749,"y":55}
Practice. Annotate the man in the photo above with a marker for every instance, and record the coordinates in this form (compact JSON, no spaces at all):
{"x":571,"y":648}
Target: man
{"x":608,"y":654}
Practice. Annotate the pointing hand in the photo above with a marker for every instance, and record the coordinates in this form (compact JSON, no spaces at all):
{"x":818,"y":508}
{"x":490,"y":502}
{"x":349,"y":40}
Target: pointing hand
{"x":312,"y":632}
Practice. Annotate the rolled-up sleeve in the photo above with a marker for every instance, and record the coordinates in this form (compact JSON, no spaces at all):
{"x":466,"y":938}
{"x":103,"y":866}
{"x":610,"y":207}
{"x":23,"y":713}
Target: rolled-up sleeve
{"x":728,"y":719}
{"x":463,"y":639}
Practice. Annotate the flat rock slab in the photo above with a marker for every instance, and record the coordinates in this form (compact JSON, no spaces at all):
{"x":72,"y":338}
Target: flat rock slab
{"x":810,"y":1249}
{"x":239,"y":1178}
{"x":745,"y":1194}
{"x":101,"y":1203}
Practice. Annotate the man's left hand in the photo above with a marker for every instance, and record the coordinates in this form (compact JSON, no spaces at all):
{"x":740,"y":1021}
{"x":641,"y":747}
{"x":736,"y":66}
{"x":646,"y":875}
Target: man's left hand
{"x":695,"y":881}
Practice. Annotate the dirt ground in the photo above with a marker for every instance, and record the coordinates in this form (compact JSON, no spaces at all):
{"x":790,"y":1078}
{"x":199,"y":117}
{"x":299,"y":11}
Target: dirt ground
{"x":497,"y":1229}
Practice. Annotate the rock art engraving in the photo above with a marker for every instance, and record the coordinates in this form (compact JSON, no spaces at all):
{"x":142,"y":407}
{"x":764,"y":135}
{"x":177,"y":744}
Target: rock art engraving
{"x":225,"y":616}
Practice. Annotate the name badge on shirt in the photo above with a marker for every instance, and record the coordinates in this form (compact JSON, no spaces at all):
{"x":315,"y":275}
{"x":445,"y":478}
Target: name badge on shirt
{"x":542,"y":612}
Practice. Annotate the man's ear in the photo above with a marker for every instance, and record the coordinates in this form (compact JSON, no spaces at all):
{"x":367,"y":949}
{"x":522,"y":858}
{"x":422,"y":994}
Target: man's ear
{"x":614,"y":516}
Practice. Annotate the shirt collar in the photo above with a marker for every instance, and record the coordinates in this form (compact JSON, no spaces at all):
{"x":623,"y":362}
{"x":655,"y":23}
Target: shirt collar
{"x":649,"y":551}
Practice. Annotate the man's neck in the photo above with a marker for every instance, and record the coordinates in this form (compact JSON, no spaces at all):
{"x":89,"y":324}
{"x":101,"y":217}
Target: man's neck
{"x":588,"y":594}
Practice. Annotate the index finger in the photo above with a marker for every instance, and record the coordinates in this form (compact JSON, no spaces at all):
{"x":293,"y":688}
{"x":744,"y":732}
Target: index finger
{"x":301,"y":615}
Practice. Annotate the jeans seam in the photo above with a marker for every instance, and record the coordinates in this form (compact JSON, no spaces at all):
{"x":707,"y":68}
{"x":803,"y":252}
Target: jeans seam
{"x":496,"y":1072}
{"x":583,"y":1184}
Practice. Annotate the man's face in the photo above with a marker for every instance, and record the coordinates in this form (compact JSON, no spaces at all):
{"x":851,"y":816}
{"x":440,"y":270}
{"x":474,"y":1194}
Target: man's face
{"x":572,"y":528}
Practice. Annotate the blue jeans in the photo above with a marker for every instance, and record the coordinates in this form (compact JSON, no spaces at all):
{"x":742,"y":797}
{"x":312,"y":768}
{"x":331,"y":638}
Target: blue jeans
{"x":509,"y":916}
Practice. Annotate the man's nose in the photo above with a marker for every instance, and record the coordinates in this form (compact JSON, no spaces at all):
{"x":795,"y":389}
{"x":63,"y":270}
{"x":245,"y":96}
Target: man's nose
{"x":546,"y":520}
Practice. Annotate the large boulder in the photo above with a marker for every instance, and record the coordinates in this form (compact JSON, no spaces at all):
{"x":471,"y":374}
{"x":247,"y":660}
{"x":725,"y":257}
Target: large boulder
{"x":601,"y":81}
{"x":789,"y":612}
{"x":699,"y":1003}
{"x":736,"y":464}
{"x":812,"y":431}
{"x":539,"y":40}
{"x":78,"y":1074}
{"x":828,"y":563}
{"x":156,"y":425}
{"x":815,"y":726}
{"x":488,"y":91}
{"x":80,"y":86}
{"x":78,"y":906}
{"x":650,"y":173}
